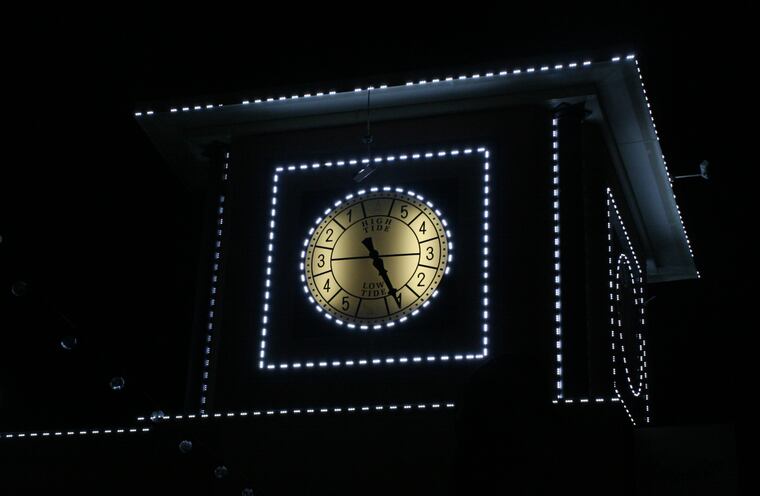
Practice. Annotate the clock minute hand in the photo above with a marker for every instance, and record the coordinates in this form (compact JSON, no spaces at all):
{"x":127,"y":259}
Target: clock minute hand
{"x":378,"y":263}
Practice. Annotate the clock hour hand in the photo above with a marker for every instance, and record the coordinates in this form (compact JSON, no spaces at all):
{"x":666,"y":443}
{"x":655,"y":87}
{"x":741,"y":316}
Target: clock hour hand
{"x":378,"y":263}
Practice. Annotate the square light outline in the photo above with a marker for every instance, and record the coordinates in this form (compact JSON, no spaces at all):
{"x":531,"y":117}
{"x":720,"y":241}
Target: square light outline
{"x":386,"y":360}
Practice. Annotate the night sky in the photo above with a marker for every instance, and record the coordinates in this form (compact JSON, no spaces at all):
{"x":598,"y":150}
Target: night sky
{"x":105,"y":237}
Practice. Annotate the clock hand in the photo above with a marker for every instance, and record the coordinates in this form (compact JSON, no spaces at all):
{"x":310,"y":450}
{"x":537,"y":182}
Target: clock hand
{"x":378,"y":263}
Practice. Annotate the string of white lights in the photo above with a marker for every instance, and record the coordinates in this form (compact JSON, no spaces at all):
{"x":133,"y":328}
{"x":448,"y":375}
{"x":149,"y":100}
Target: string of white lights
{"x":614,"y":296}
{"x":413,"y":358}
{"x":211,"y":321}
{"x":72,"y":433}
{"x":585,"y":401}
{"x":514,"y":72}
{"x":556,"y":249}
{"x":559,"y":384}
{"x":638,"y":289}
{"x":392,"y":407}
{"x":665,"y":163}
{"x":618,"y":323}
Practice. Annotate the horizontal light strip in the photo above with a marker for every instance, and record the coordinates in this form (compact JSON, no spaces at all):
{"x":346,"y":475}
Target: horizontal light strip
{"x":585,"y":401}
{"x":72,"y":433}
{"x":514,"y":72}
{"x":556,"y":261}
{"x":389,"y":407}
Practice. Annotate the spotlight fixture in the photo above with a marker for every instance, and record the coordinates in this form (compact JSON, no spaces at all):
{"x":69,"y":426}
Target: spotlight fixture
{"x":185,"y":446}
{"x":704,"y":167}
{"x":221,"y":472}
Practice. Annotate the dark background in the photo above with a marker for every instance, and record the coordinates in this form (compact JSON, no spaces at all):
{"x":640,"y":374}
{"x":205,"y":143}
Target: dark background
{"x":107,"y":239}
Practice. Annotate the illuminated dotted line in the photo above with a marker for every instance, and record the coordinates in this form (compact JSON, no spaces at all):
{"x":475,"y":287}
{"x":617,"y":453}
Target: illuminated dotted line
{"x":612,"y":205}
{"x":639,"y":301}
{"x":665,"y":163}
{"x":638,"y":289}
{"x":308,"y":411}
{"x":584,"y":401}
{"x":556,"y":250}
{"x":211,"y":323}
{"x":627,"y":411}
{"x":70,"y":433}
{"x":517,"y":71}
{"x":392,"y":360}
{"x":339,"y":322}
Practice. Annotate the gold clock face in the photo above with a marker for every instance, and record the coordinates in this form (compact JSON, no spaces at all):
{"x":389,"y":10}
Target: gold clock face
{"x":376,"y":257}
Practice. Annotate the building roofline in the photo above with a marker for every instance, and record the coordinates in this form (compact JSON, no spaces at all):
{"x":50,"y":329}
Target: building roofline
{"x":181,"y":132}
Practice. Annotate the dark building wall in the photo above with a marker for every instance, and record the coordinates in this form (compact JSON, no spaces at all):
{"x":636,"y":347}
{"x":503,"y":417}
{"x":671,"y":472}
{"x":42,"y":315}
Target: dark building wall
{"x":520,"y":298}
